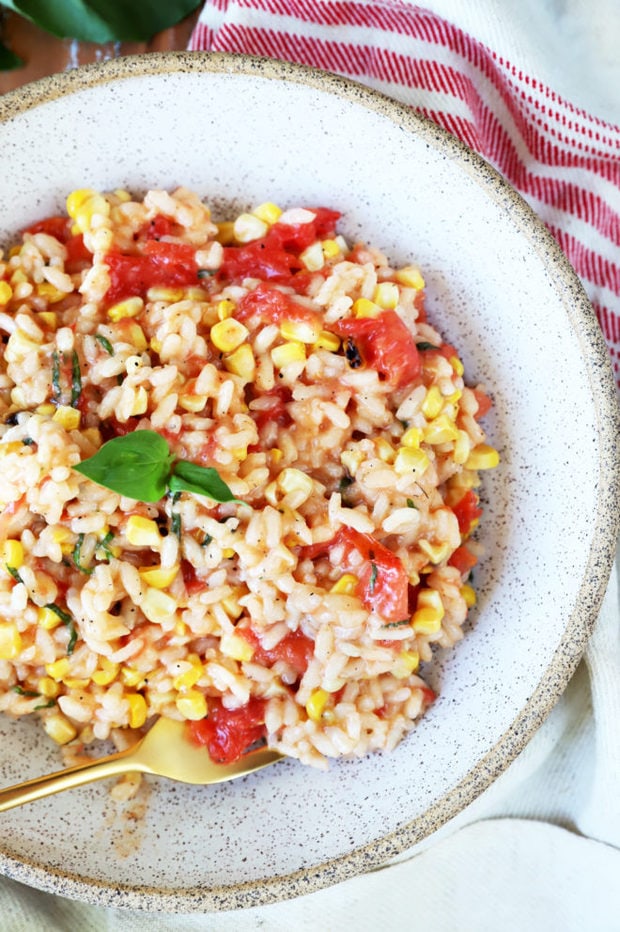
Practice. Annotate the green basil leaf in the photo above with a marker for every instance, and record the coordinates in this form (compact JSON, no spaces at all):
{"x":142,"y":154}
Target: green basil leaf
{"x":136,"y":465}
{"x":8,"y":59}
{"x":101,"y":21}
{"x":201,"y":480}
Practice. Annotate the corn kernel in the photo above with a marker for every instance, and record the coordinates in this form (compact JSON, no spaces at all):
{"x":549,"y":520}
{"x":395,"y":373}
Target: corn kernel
{"x":386,"y":295}
{"x":45,"y":409}
{"x":13,"y":553}
{"x":315,"y":706}
{"x":58,"y":669}
{"x":122,"y":195}
{"x":331,"y":248}
{"x":10,"y":641}
{"x":228,"y":334}
{"x":469,"y":595}
{"x":351,"y":460}
{"x":410,"y":276}
{"x":189,"y":678}
{"x":406,"y":663}
{"x":162,"y":293}
{"x":158,"y":606}
{"x":137,"y":710}
{"x":74,"y":683}
{"x":60,"y":535}
{"x":228,"y":553}
{"x":482,"y":457}
{"x":106,"y":673}
{"x":328,"y":341}
{"x":313,"y":257}
{"x":131,"y":307}
{"x":346,"y":585}
{"x":409,"y":459}
{"x":429,"y":613}
{"x":77,"y":199}
{"x":49,"y":318}
{"x":131,"y":677}
{"x":192,"y":705}
{"x":462,"y":448}
{"x":457,"y":365}
{"x":441,"y":430}
{"x":134,"y":334}
{"x":384,"y":449}
{"x":230,"y":604}
{"x":14,"y":446}
{"x":158,"y":576}
{"x":48,"y":687}
{"x":433,"y":403}
{"x":294,"y":480}
{"x":412,"y":437}
{"x":248,"y":227}
{"x":142,"y":532}
{"x":241,"y":362}
{"x":68,"y":418}
{"x":276,"y":455}
{"x":6,"y":292}
{"x":287,"y":353}
{"x":51,"y":294}
{"x":193,"y":403}
{"x":300,"y":330}
{"x":140,"y":401}
{"x":226,"y":233}
{"x":59,"y":729}
{"x":18,"y":277}
{"x":435,"y":552}
{"x":236,"y":647}
{"x":83,"y":205}
{"x":47,"y":619}
{"x":365,"y":308}
{"x":268,"y":212}
{"x":225,"y":309}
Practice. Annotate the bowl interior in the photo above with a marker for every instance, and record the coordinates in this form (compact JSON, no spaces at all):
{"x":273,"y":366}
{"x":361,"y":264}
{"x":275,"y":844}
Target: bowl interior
{"x":241,"y":132}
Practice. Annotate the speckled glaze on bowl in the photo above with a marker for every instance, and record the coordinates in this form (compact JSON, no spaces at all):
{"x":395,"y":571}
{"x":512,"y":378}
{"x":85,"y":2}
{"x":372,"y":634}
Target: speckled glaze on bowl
{"x":241,"y":131}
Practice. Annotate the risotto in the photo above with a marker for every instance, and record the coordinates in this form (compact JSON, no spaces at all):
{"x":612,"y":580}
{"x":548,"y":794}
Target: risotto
{"x":238,"y":479}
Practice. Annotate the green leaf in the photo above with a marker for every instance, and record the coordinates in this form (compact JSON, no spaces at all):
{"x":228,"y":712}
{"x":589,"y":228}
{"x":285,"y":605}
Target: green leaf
{"x":201,"y":480}
{"x":8,"y":59}
{"x":136,"y":465}
{"x":102,"y":21}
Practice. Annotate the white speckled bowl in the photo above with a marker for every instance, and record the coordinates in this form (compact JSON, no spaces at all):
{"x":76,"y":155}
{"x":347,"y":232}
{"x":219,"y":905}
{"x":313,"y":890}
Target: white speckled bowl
{"x":242,"y":131}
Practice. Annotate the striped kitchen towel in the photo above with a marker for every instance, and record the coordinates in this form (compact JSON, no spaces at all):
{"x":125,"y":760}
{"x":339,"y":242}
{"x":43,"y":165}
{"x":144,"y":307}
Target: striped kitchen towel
{"x":564,"y":161}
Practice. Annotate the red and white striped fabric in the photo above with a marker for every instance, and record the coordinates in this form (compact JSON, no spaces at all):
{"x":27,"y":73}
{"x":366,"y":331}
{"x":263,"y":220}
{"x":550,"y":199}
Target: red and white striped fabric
{"x":565,"y":162}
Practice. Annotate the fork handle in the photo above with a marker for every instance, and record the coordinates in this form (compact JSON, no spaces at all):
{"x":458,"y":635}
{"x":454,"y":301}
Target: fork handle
{"x":113,"y":765}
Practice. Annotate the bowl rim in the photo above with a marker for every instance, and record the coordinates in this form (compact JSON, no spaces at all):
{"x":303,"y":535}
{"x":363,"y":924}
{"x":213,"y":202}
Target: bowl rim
{"x":597,"y":570}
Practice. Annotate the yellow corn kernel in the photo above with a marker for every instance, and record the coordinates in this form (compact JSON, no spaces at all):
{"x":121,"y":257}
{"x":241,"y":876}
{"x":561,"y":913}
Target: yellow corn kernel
{"x":85,"y":208}
{"x":68,"y":418}
{"x":268,"y":212}
{"x":192,"y":705}
{"x":351,"y":460}
{"x":190,"y":677}
{"x":228,"y":334}
{"x":77,"y":199}
{"x":158,"y":576}
{"x":158,"y":606}
{"x":137,"y":709}
{"x":457,"y":365}
{"x":10,"y":641}
{"x":300,"y":330}
{"x":236,"y":647}
{"x":51,"y":294}
{"x":47,"y":619}
{"x":365,"y":308}
{"x":276,"y":455}
{"x":410,"y":276}
{"x":241,"y":362}
{"x":13,"y":553}
{"x":331,"y":248}
{"x":441,"y":430}
{"x":180,"y":629}
{"x":140,"y":401}
{"x":18,"y":277}
{"x":408,"y":459}
{"x":385,"y":450}
{"x":433,"y":403}
{"x":482,"y":457}
{"x":454,"y":397}
{"x":74,"y":683}
{"x":45,"y":409}
{"x":106,"y":673}
{"x":225,"y":309}
{"x":122,"y":195}
{"x":58,"y":669}
{"x":469,"y":594}
{"x":328,"y":341}
{"x":48,"y":687}
{"x":226,"y":233}
{"x":429,"y":612}
{"x":412,"y":437}
{"x":142,"y":532}
{"x":49,"y":318}
{"x":161,"y":293}
{"x":19,"y":345}
{"x":14,"y":446}
{"x":406,"y":663}
{"x":131,"y":677}
{"x":6,"y":292}
{"x":231,"y":605}
{"x":462,"y":448}
{"x":248,"y":227}
{"x":294,"y":480}
{"x":315,"y":706}
{"x":346,"y":585}
{"x":130,"y":307}
{"x":193,"y":403}
{"x":59,"y":728}
{"x":386,"y":295}
{"x":287,"y":353}
{"x":134,"y":334}
{"x":155,"y":345}
{"x":313,"y":257}
{"x":228,"y":553}
{"x":435,"y":552}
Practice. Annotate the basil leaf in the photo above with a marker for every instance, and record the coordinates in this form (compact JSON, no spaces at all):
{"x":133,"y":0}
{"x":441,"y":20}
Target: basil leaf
{"x":76,"y":379}
{"x":8,"y":59}
{"x":374,"y":572}
{"x":101,"y":21}
{"x":105,"y":343}
{"x":201,"y":480}
{"x":136,"y":465}
{"x":425,"y":345}
{"x":67,"y":620}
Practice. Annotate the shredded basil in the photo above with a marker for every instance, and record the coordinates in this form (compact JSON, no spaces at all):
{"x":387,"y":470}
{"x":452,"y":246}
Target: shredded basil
{"x":67,"y":620}
{"x":206,"y":273}
{"x":103,"y":545}
{"x":175,"y":517}
{"x":27,"y":693}
{"x":374,"y":572}
{"x":76,"y":379}
{"x":77,"y":556}
{"x":411,"y":504}
{"x":105,"y":343}
{"x":207,"y":540}
{"x":56,"y":393}
{"x":424,"y":345}
{"x":398,"y":624}
{"x":345,"y":482}
{"x":28,"y":441}
{"x":14,"y":573}
{"x":45,"y":705}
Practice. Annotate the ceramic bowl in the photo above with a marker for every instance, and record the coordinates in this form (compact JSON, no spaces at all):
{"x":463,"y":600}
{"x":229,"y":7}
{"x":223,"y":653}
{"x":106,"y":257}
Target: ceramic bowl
{"x":242,"y":131}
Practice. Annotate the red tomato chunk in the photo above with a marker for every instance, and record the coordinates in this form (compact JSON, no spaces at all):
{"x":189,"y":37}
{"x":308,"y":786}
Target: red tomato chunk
{"x":229,"y":733}
{"x":171,"y":265}
{"x":295,"y":649}
{"x":385,"y":344}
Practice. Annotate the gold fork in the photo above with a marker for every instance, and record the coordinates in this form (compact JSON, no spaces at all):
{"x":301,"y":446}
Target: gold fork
{"x":165,"y":751}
